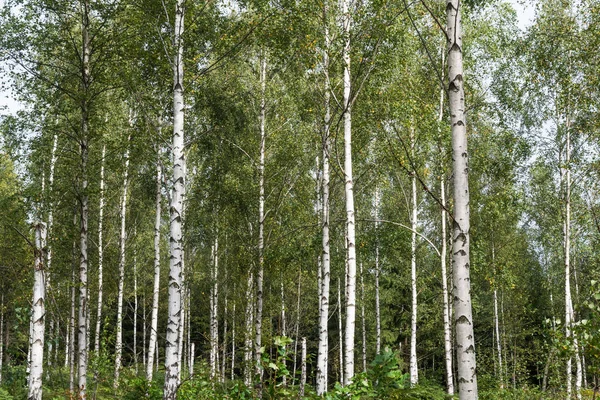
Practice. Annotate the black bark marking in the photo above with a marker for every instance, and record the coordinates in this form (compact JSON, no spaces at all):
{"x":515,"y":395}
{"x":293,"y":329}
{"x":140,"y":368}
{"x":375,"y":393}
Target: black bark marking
{"x":463,"y":320}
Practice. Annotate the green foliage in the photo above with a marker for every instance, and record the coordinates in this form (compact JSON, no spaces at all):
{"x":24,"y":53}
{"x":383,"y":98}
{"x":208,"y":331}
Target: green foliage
{"x":4,"y":395}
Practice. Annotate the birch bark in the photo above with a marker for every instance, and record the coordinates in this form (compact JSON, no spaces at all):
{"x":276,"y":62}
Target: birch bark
{"x":176,"y":215}
{"x":325,"y":274}
{"x":156,"y":288}
{"x":214,"y":298}
{"x":463,"y":315}
{"x":349,"y":191}
{"x":414,"y":370}
{"x":377,"y":273}
{"x":38,"y":316}
{"x":122,"y":239}
{"x":261,"y":217}
{"x":100,"y":255}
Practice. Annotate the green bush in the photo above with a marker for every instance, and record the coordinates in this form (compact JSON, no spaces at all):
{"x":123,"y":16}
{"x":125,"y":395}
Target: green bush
{"x":4,"y":395}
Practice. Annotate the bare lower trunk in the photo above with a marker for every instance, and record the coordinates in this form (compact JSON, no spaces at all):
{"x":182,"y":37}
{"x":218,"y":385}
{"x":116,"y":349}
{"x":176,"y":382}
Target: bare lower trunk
{"x":349,"y":191}
{"x":214,"y":298}
{"x":324,"y":273}
{"x":181,"y":333}
{"x":100,"y":256}
{"x":38,"y":316}
{"x":176,"y":216}
{"x":297,"y":327}
{"x":303,"y":368}
{"x":135,"y":312}
{"x":261,"y":217}
{"x":248,"y":367}
{"x":446,"y":313}
{"x":283,"y":332}
{"x":377,"y":273}
{"x":82,"y":334}
{"x":414,"y":370}
{"x":70,"y":345}
{"x":341,"y":332}
{"x":156,"y":289}
{"x":498,"y":343}
{"x":224,"y":356}
{"x":362,"y":317}
{"x":463,"y":315}
{"x":122,"y":239}
{"x":567,"y":249}
{"x":233,"y":340}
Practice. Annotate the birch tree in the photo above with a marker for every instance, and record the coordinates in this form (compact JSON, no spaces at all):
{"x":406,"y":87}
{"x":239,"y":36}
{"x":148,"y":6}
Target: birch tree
{"x":176,"y":214}
{"x":38,"y":316}
{"x":463,"y":314}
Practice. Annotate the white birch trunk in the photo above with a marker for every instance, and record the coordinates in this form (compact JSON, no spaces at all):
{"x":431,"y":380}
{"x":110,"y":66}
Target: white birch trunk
{"x":70,"y":354}
{"x":377,"y":273}
{"x":325,"y":272}
{"x":362,"y":317}
{"x":38,"y":316}
{"x":303,"y":368}
{"x":176,"y":215}
{"x":144,"y":332}
{"x":156,"y":288}
{"x":349,"y":191}
{"x":135,"y":309}
{"x":261,"y":217}
{"x":443,"y":256}
{"x":100,"y":256}
{"x":283,"y":331}
{"x":248,"y":367}
{"x":48,"y":244}
{"x":214,"y":305}
{"x":192,"y":358}
{"x":224,"y":356}
{"x":297,"y":327}
{"x":82,"y":334}
{"x":233,"y":339}
{"x":414,"y":370}
{"x":341,"y":332}
{"x":181,"y":335}
{"x":463,"y":315}
{"x":567,"y":247}
{"x":122,"y":239}
{"x":498,"y":343}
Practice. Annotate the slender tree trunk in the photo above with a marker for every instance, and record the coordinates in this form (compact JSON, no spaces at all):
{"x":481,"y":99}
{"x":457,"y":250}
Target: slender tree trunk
{"x":233,"y":339}
{"x":144,"y":333}
{"x":191,"y":359}
{"x":156,"y":289}
{"x":463,"y":315}
{"x":248,"y":367}
{"x":377,"y":273}
{"x":48,"y":246}
{"x":261,"y":222}
{"x":283,"y":331}
{"x":362,"y":317}
{"x":567,"y":250}
{"x":447,"y":326}
{"x":82,"y":334}
{"x":214,"y":305}
{"x":414,"y":370}
{"x":224,"y":356}
{"x":122,"y":239}
{"x":498,"y":343}
{"x":100,"y":256}
{"x":181,"y":334}
{"x":135,"y":308}
{"x":176,"y":215}
{"x":341,"y":332}
{"x":70,"y":354}
{"x":297,"y":327}
{"x":349,"y":191}
{"x":325,"y":272}
{"x":38,"y":316}
{"x":303,"y":368}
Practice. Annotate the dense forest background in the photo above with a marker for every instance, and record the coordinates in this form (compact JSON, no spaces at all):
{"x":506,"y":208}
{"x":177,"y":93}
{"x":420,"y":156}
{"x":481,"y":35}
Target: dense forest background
{"x":102,"y":196}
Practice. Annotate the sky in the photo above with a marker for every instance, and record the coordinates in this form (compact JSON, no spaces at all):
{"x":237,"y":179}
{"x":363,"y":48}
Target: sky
{"x":525,"y":12}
